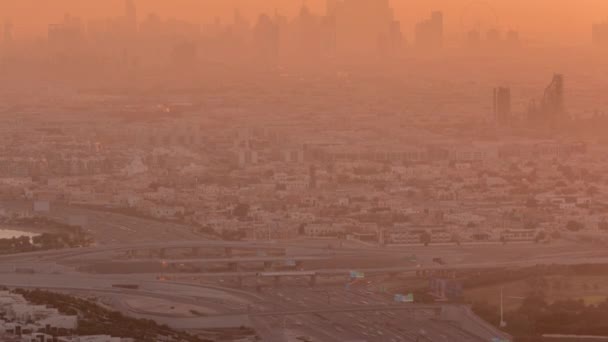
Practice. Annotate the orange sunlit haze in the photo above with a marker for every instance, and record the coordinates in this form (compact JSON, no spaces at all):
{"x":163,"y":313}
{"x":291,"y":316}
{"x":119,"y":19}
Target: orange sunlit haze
{"x":560,"y":20}
{"x":303,"y":170}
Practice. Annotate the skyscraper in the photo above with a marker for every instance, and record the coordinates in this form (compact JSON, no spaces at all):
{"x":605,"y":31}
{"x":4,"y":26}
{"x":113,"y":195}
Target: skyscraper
{"x":8,"y":33}
{"x":312,"y":177}
{"x":130,"y":16}
{"x":66,"y":43}
{"x":396,"y":40}
{"x":305,"y":36}
{"x":266,"y":40}
{"x":429,"y":32}
{"x":600,"y":33}
{"x":362,"y":27}
{"x":502,"y":105}
{"x":553,"y":99}
{"x":7,"y":41}
{"x":552,"y":109}
{"x":330,"y":7}
{"x":65,"y":35}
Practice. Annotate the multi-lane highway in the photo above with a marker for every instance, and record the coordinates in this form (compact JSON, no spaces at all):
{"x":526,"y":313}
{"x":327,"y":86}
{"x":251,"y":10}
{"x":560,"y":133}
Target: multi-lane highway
{"x":323,"y":313}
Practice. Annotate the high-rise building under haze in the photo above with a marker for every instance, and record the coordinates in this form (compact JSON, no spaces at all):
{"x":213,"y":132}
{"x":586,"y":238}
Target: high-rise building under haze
{"x":600,"y":33}
{"x":66,"y":43}
{"x":552,"y":109}
{"x":363,"y":27}
{"x":312,"y":177}
{"x":429,"y":32}
{"x":266,"y":39}
{"x":7,"y":41}
{"x":131,"y":16}
{"x":7,"y":33}
{"x":65,"y":35}
{"x":306,"y":35}
{"x":553,"y":99}
{"x":502,"y":105}
{"x":330,"y":7}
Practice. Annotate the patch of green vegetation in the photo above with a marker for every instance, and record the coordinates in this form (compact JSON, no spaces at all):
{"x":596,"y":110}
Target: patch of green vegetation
{"x":62,"y":236}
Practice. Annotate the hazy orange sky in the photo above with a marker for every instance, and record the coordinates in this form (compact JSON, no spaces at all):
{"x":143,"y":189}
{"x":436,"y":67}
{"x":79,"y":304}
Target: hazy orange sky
{"x":566,"y":20}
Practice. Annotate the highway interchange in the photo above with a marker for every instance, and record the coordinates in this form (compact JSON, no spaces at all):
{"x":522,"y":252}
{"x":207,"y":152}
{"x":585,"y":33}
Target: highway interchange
{"x":328,"y":311}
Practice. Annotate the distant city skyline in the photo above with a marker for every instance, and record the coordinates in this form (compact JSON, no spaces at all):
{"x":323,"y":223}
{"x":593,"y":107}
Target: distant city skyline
{"x":303,"y":170}
{"x":564,"y":21}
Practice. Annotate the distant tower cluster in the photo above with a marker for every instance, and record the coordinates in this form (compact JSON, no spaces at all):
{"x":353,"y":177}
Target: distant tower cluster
{"x":547,"y":113}
{"x":502,"y":105}
{"x":429,"y":32}
{"x":600,"y":33}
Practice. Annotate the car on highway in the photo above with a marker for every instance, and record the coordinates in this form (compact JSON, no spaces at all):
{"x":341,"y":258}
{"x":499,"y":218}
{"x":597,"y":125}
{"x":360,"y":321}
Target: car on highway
{"x":439,"y":261}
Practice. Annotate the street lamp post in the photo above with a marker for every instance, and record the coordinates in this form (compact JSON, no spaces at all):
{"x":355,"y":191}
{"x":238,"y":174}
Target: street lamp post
{"x":285,"y":329}
{"x":502,"y":317}
{"x":503,"y":323}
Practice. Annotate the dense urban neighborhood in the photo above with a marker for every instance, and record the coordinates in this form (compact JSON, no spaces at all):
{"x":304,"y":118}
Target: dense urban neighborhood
{"x":303,"y":171}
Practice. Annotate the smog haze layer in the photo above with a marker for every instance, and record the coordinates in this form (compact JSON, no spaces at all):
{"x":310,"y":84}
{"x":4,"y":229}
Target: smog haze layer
{"x":303,"y":170}
{"x":563,"y":21}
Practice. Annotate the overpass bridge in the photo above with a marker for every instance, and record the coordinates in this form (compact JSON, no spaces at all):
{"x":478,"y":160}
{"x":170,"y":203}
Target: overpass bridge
{"x":434,"y":308}
{"x":234,"y":263}
{"x":155,"y":249}
{"x":445,"y":271}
